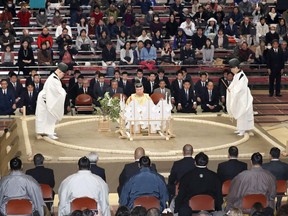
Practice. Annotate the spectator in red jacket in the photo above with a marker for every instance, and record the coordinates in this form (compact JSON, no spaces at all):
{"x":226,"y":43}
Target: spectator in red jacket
{"x":44,"y":36}
{"x":6,"y":15}
{"x":97,"y":14}
{"x":24,"y":16}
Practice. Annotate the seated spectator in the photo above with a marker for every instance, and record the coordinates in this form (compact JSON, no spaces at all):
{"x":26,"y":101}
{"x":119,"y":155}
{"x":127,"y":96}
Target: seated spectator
{"x":187,"y":55}
{"x":171,"y":27}
{"x":157,"y":40}
{"x":219,"y":15}
{"x":195,"y":6}
{"x":154,"y":185}
{"x":211,"y":28}
{"x":121,"y":40}
{"x":246,"y":30}
{"x":16,"y":185}
{"x":143,"y":37}
{"x":7,"y":98}
{"x":30,"y":78}
{"x":281,"y":28}
{"x":167,"y":55}
{"x":161,"y":76}
{"x":285,"y":50}
{"x":208,"y":52}
{"x":176,"y":8}
{"x":118,"y":78}
{"x":59,"y":29}
{"x":7,"y":57}
{"x":210,"y":99}
{"x":108,"y":55}
{"x":224,"y":82}
{"x":94,"y":79}
{"x":97,"y":14}
{"x":246,"y":7}
{"x":11,"y":7}
{"x":198,"y":39}
{"x":254,"y":181}
{"x":103,"y":40}
{"x":271,"y":35}
{"x":231,"y":28}
{"x":38,"y":86}
{"x":83,"y":42}
{"x":112,"y":28}
{"x":261,"y":30}
{"x":66,"y":56}
{"x":139,"y":78}
{"x":156,"y":25}
{"x":25,"y":58}
{"x":176,"y":87}
{"x":44,"y":56}
{"x":121,"y":27}
{"x":137,"y":52}
{"x":28,"y":99}
{"x":246,"y":55}
{"x":73,"y":80}
{"x":26,"y":37}
{"x":162,"y":88}
{"x":57,"y":18}
{"x":200,"y":85}
{"x":6,"y":15}
{"x":73,"y":91}
{"x":41,"y":18}
{"x":179,"y":40}
{"x":8,"y":25}
{"x":99,"y":89}
{"x":236,"y":15}
{"x":98,"y":29}
{"x":7,"y":39}
{"x":148,"y":16}
{"x":257,"y":14}
{"x":126,"y":85}
{"x":112,"y":11}
{"x":72,"y":187}
{"x":229,"y":169}
{"x":188,"y":27}
{"x":44,"y":36}
{"x":221,"y":40}
{"x":261,"y":52}
{"x":126,"y":54}
{"x":187,"y":100}
{"x":148,"y":55}
{"x":193,"y":183}
{"x":114,"y":89}
{"x":264,"y":7}
{"x":85,"y":89}
{"x":272,"y":16}
{"x":92,"y":28}
{"x":200,"y":17}
{"x":15,"y":87}
{"x":150,"y":84}
{"x":82,"y":25}
{"x":62,"y":39}
{"x":24,"y":16}
{"x":94,"y":168}
{"x":136,"y":30}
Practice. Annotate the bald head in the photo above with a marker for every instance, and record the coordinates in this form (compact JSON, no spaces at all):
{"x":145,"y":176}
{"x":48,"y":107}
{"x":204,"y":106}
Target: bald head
{"x":139,"y":152}
{"x":187,"y":150}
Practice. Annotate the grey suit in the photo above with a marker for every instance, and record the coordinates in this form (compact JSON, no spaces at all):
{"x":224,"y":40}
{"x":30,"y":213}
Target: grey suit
{"x":158,"y":90}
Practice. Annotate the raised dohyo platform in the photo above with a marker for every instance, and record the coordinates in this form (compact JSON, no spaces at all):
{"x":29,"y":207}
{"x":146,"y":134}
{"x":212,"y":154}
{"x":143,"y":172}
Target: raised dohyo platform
{"x":78,"y":135}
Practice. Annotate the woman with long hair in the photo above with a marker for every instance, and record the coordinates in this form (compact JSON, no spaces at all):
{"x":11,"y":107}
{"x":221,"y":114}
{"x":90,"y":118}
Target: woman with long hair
{"x":25,"y":57}
{"x":208,"y":52}
{"x":126,"y":54}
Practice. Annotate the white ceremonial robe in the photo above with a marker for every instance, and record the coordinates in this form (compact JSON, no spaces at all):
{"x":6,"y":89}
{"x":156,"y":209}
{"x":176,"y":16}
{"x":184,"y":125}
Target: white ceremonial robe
{"x":17,"y":185}
{"x":240,"y":102}
{"x":50,"y":105}
{"x":83,"y":184}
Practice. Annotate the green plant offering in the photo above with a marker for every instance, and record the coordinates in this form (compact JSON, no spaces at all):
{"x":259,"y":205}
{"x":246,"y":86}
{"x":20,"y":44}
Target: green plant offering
{"x":110,"y":107}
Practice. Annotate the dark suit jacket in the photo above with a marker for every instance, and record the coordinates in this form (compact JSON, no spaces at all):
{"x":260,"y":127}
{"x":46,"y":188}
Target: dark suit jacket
{"x":199,"y":181}
{"x":111,"y":93}
{"x":120,"y":84}
{"x":40,"y":87}
{"x":97,"y":92}
{"x":71,"y":83}
{"x":98,"y":171}
{"x":42,"y":175}
{"x":214,"y":97}
{"x":278,"y":168}
{"x":148,"y":89}
{"x":81,"y":91}
{"x":229,"y":169}
{"x":225,"y":42}
{"x":7,"y":102}
{"x":30,"y":103}
{"x":129,"y":170}
{"x":275,"y":61}
{"x":144,"y":81}
{"x":199,"y":89}
{"x":18,"y":91}
{"x":183,"y":98}
{"x":178,"y":170}
{"x":128,"y":89}
{"x":175,"y":90}
{"x":92,"y":83}
{"x":157,"y":80}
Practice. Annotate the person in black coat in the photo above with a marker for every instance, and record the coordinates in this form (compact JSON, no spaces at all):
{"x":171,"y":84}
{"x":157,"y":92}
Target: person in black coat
{"x":99,"y":89}
{"x":114,"y":88}
{"x":224,"y":82}
{"x":271,"y":35}
{"x":93,"y":158}
{"x":25,"y":57}
{"x":210,"y":99}
{"x":176,"y":87}
{"x":38,"y":85}
{"x":15,"y":87}
{"x":7,"y":98}
{"x":76,"y":88}
{"x":131,"y":169}
{"x":229,"y":169}
{"x":73,"y":80}
{"x":108,"y":55}
{"x":200,"y":86}
{"x":180,"y":168}
{"x":28,"y":99}
{"x":200,"y":180}
{"x":140,"y":78}
{"x":278,"y":168}
{"x":127,"y":86}
{"x":275,"y":65}
{"x":198,"y":39}
{"x":187,"y":54}
{"x":225,"y":43}
{"x":151,"y":84}
{"x":187,"y":100}
{"x":161,"y":76}
{"x":85,"y":89}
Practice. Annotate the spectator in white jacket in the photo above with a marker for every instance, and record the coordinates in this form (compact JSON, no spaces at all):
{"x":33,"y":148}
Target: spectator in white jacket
{"x":126,"y":54}
{"x":261,"y":30}
{"x":61,"y":27}
{"x":188,"y":27}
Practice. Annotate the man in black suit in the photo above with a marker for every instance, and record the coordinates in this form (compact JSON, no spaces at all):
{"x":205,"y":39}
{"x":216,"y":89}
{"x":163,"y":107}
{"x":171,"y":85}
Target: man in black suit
{"x":30,"y":79}
{"x":95,"y":79}
{"x":93,"y":158}
{"x":186,"y":103}
{"x":140,"y":78}
{"x":161,"y":76}
{"x":131,"y":169}
{"x":15,"y":87}
{"x":210,"y":99}
{"x":180,"y":168}
{"x":200,"y":86}
{"x":99,"y":89}
{"x":151,"y":84}
{"x":40,"y":173}
{"x":224,"y":82}
{"x":7,"y":104}
{"x":118,"y":78}
{"x":187,"y":76}
{"x":229,"y":169}
{"x":85,"y":89}
{"x":200,"y":180}
{"x":278,"y":168}
{"x":114,"y":89}
{"x":73,"y":80}
{"x":275,"y":65}
{"x":76,"y":88}
{"x":38,"y":86}
{"x":128,"y":88}
{"x":28,"y":99}
{"x":176,"y":87}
